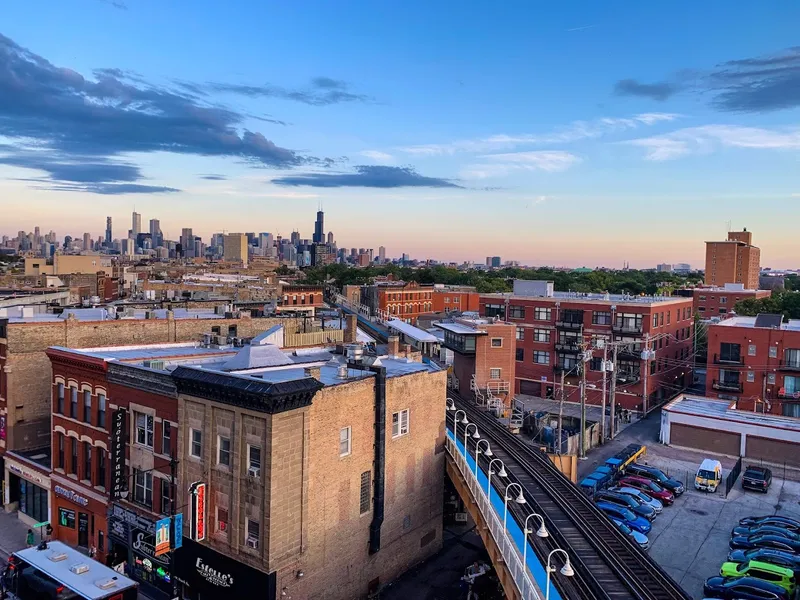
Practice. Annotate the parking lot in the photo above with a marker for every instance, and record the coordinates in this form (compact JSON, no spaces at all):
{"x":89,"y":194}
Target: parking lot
{"x":690,"y":538}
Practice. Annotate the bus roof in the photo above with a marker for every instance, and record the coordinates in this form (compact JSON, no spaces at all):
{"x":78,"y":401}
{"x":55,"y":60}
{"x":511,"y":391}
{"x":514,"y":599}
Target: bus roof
{"x":57,"y":561}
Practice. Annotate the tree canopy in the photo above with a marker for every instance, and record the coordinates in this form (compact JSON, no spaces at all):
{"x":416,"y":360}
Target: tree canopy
{"x":785,"y":303}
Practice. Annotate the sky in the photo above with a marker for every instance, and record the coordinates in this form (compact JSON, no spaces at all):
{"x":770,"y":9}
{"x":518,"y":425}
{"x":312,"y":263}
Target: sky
{"x":566,"y":133}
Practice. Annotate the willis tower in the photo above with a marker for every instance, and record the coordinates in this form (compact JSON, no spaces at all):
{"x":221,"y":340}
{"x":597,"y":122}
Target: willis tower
{"x":319,"y":232}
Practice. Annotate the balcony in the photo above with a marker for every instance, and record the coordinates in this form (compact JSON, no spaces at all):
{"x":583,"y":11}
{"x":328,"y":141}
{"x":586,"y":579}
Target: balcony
{"x":627,"y":328}
{"x":727,"y":386}
{"x":790,"y":365}
{"x":571,"y":325}
{"x":625,"y":353}
{"x":783,"y":394}
{"x":571,"y":347}
{"x":728,"y":359}
{"x":629,"y":377}
{"x":569,"y":371}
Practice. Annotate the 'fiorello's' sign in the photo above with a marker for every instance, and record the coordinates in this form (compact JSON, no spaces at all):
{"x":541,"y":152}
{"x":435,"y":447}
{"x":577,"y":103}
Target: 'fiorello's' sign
{"x":213,"y":576}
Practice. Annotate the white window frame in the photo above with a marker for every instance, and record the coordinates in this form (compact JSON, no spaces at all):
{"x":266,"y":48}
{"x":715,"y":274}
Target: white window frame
{"x":250,"y":464}
{"x":248,"y":537}
{"x":545,"y":353}
{"x":520,"y":334}
{"x":345,"y":441}
{"x":494,"y":370}
{"x":192,"y":431}
{"x":220,"y":439}
{"x":538,"y":334}
{"x":147,"y":433}
{"x":398,"y":428}
{"x":146,"y":476}
{"x":542,"y":310}
{"x":500,"y":345}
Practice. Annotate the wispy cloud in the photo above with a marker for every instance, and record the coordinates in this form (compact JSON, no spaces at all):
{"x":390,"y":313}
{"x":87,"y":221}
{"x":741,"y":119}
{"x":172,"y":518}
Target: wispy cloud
{"x":373,"y":176}
{"x":578,"y":130}
{"x":213,"y":177}
{"x":581,"y":28}
{"x":321,"y":91}
{"x":378,"y":156}
{"x":498,"y":165}
{"x":754,"y":85}
{"x":710,"y":137}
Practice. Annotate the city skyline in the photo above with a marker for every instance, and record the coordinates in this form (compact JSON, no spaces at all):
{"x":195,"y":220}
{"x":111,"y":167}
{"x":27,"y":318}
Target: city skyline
{"x":520,"y":132}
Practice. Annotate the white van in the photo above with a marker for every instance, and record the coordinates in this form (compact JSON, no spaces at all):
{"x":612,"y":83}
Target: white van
{"x":709,"y":475}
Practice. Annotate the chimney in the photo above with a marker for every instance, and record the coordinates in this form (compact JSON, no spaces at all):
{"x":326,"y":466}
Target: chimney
{"x":350,"y":329}
{"x":312,"y":372}
{"x":407,"y":350}
{"x":394,"y":346}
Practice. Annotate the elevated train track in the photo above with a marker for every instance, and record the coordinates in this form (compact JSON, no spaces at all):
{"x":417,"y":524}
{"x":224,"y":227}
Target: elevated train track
{"x":607,"y":564}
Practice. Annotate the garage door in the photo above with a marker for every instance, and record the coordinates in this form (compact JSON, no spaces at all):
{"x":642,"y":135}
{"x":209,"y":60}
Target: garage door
{"x":530,"y":388}
{"x":711,"y":440}
{"x":775,"y":451}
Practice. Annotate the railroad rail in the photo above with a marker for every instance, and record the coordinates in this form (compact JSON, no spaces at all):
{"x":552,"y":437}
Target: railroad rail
{"x":607,"y":564}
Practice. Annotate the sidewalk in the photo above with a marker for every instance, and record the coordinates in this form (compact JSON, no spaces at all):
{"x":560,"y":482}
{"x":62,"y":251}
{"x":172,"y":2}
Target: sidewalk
{"x":12,"y":534}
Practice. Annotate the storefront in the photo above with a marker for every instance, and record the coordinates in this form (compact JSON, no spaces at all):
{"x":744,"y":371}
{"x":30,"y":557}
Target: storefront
{"x":132,"y":543}
{"x":205,"y":574}
{"x":27,"y":489}
{"x":79,"y":517}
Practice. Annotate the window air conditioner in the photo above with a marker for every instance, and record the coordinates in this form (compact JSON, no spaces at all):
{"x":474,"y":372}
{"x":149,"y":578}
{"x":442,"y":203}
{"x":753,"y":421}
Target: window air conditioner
{"x":252,"y":543}
{"x":254,"y":472}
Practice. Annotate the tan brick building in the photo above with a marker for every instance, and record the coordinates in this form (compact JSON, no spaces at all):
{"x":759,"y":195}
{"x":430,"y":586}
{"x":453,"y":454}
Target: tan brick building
{"x":734,"y":260}
{"x":328,"y":485}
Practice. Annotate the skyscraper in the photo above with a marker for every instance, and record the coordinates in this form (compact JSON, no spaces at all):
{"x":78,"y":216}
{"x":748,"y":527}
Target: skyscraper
{"x":235,"y":248}
{"x":155,"y":232}
{"x":330,"y":238}
{"x":136,"y":225}
{"x":381,"y":255}
{"x":734,"y":260}
{"x":108,"y":231}
{"x":187,"y":242}
{"x":295,"y":238}
{"x":87,"y":241}
{"x":319,"y":231}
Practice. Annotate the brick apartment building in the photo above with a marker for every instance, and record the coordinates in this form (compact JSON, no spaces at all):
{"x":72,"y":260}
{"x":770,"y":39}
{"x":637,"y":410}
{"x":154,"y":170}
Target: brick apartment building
{"x":715,"y":301}
{"x":455,"y":299}
{"x":399,"y":300}
{"x":305,"y":298}
{"x":755,"y":362}
{"x":734,"y":260}
{"x":553,"y":326}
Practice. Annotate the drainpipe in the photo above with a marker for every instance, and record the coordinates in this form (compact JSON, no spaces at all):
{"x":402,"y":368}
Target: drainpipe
{"x":380,"y":460}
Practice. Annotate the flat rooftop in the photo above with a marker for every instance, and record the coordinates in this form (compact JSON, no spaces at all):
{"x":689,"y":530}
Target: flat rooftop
{"x":595,"y":298}
{"x":750,"y":322}
{"x":700,"y":406}
{"x":19,"y":314}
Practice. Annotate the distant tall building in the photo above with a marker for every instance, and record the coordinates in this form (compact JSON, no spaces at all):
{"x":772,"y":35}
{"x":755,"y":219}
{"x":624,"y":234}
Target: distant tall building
{"x":495,"y":262}
{"x":265,"y":240}
{"x":735,"y":260}
{"x":235,"y":248}
{"x":87,"y":241}
{"x":155,"y":233}
{"x":136,"y":225}
{"x":187,"y":242}
{"x":381,"y":254}
{"x":330,"y":238}
{"x":319,"y":228}
{"x":681,"y":267}
{"x":295,"y":238}
{"x":109,"y":237}
{"x":664,"y":268}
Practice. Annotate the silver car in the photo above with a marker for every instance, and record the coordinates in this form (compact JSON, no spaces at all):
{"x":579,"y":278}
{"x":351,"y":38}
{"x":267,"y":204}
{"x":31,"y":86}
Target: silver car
{"x":641,"y":497}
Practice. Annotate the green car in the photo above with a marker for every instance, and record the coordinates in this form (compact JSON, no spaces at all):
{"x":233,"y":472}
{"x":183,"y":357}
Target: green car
{"x":761,"y":570}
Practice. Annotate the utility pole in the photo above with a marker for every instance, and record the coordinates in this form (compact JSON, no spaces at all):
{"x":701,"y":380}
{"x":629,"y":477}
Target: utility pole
{"x":603,"y":401}
{"x":173,"y":533}
{"x":583,"y":401}
{"x":562,"y":396}
{"x":646,"y":373}
{"x":613,"y":393}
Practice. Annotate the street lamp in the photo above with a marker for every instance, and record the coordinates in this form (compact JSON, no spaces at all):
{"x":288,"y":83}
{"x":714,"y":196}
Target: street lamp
{"x":541,"y":532}
{"x":488,"y":452}
{"x":475,"y":435}
{"x":463,"y":420}
{"x":501,"y":473}
{"x":449,"y":404}
{"x":520,"y":499}
{"x":566,"y":570}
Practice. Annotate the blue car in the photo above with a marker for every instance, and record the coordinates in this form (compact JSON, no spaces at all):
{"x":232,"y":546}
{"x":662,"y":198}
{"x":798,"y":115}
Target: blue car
{"x":640,"y":538}
{"x":765,"y":555}
{"x":765,"y":530}
{"x":613,"y":511}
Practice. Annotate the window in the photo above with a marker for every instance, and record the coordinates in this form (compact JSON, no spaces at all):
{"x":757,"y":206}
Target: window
{"x":541,"y":358}
{"x":60,"y":396}
{"x":520,"y":354}
{"x":751,"y":350}
{"x":222,"y":520}
{"x":400,"y":423}
{"x":253,"y":533}
{"x":661,"y":320}
{"x":101,"y":467}
{"x":601,"y":318}
{"x":166,"y":497}
{"x":224,"y":451}
{"x":494,"y":373}
{"x":520,"y":333}
{"x":60,"y":463}
{"x":33,"y":500}
{"x":516,"y":312}
{"x":196,"y":443}
{"x":87,"y":461}
{"x":254,"y":460}
{"x":494,"y":310}
{"x":66,"y":518}
{"x":87,"y":406}
{"x":702,"y":298}
{"x":730,"y":352}
{"x":655,"y":319}
{"x":497,"y":342}
{"x":232,"y":328}
{"x":653,"y":366}
{"x":669,"y":313}
{"x":144,"y":429}
{"x":596,"y":364}
{"x":541,"y":335}
{"x":345,"y":445}
{"x":542,"y":314}
{"x":722,"y":311}
{"x":701,"y":309}
{"x":73,"y":402}
{"x":73,"y":467}
{"x":365,"y":492}
{"x":143,"y":488}
{"x":166,"y":438}
{"x":629,"y":322}
{"x":723,"y":300}
{"x":773,"y":352}
{"x":101,"y":410}
{"x":792,"y":357}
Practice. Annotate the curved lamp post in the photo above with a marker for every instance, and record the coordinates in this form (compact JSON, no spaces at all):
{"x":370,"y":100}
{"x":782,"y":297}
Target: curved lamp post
{"x":520,"y":499}
{"x":566,"y":570}
{"x":541,"y":532}
{"x":501,"y":473}
{"x":488,"y":453}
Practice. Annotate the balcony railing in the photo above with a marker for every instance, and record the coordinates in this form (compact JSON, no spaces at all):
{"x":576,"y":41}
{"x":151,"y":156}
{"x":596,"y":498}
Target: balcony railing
{"x":728,"y":386}
{"x":572,"y":347}
{"x":787,"y":365}
{"x":569,"y":371}
{"x":629,"y":328}
{"x":629,"y":377}
{"x":782,"y":393}
{"x":728,"y":360}
{"x":629,"y":354}
{"x":573,"y":325}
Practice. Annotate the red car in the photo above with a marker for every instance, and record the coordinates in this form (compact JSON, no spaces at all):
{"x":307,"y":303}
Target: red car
{"x":651,"y":488}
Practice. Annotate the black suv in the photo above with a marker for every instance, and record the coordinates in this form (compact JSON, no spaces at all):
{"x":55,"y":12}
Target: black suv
{"x":757,"y":478}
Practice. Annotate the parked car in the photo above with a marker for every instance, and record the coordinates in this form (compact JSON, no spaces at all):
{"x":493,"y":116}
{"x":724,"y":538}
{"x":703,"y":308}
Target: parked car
{"x":774,"y":542}
{"x":650,"y":487}
{"x":676,"y":487}
{"x":613,"y":511}
{"x":743,"y":588}
{"x":765,"y":530}
{"x":768,"y":572}
{"x":629,"y":502}
{"x":641,"y":496}
{"x":639,"y":538}
{"x":708,"y":476}
{"x":757,"y":478}
{"x":786,"y":522}
{"x":773,"y":557}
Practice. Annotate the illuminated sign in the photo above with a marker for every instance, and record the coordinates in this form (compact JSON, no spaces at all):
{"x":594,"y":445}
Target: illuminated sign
{"x":162,"y":537}
{"x":198,"y":525}
{"x":119,"y":479}
{"x":70,"y":495}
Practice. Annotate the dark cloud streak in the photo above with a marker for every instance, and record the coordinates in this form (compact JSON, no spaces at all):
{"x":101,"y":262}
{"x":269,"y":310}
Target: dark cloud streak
{"x":656,"y":91}
{"x":372,"y":176}
{"x":323,"y":91}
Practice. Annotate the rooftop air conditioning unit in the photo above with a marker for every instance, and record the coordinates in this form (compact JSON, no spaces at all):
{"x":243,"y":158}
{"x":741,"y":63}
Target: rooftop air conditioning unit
{"x":149,"y":314}
{"x":79,"y":569}
{"x":159,"y":365}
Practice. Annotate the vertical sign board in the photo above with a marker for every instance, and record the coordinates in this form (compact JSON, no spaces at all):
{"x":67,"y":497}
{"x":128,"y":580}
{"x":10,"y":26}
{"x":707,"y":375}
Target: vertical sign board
{"x":198,"y":524}
{"x":162,"y":536}
{"x":177,"y":535}
{"x":119,"y":479}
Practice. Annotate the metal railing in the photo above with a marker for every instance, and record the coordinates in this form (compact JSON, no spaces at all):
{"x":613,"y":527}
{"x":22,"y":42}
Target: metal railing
{"x":728,"y":359}
{"x":508,"y":549}
{"x":730,"y":386}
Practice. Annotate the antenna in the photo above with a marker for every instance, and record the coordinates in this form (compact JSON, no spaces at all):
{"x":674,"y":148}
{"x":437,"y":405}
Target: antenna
{"x":729,"y":226}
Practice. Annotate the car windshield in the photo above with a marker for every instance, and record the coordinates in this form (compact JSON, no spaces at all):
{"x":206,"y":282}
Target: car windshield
{"x":654,"y":486}
{"x":626,"y":514}
{"x":624,"y":528}
{"x":703,"y":474}
{"x":754,"y":474}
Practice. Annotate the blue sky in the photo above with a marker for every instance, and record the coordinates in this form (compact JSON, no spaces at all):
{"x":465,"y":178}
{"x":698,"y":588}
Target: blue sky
{"x":560,"y":133}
